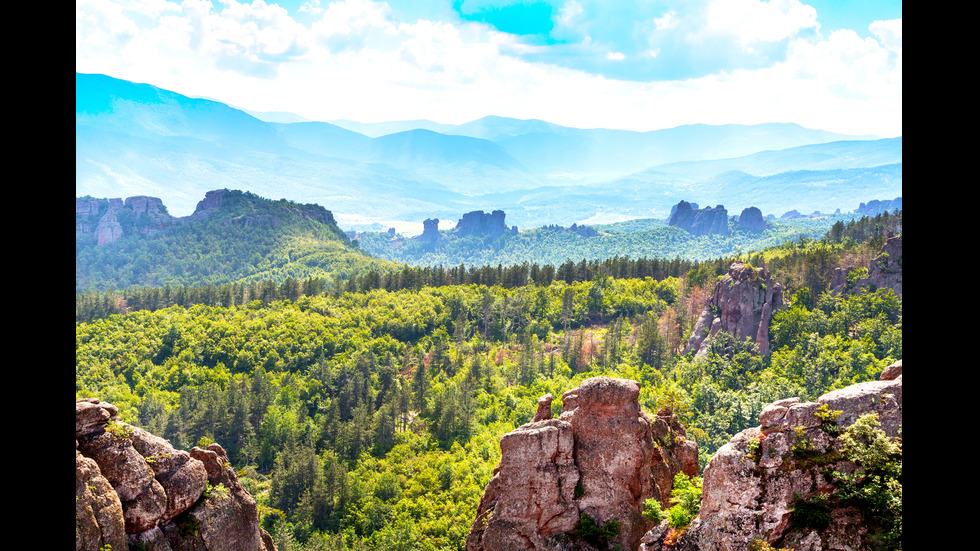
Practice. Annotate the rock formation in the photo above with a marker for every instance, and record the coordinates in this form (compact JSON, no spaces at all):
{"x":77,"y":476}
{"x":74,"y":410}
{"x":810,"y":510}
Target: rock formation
{"x":482,"y":224}
{"x":149,"y":214}
{"x":885,"y":271}
{"x":109,"y":220}
{"x":601,"y":459}
{"x":430,"y":231}
{"x":751,"y":219}
{"x":876,"y":206}
{"x":751,"y":484}
{"x":133,"y":489}
{"x":741,"y":305}
{"x":706,"y":221}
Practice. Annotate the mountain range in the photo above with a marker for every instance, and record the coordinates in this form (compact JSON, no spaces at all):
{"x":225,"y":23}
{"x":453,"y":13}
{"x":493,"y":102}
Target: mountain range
{"x":137,"y":139}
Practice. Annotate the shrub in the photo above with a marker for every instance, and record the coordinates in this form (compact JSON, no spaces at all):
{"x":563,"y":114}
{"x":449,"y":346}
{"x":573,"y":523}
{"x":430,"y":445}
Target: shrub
{"x":652,"y":510}
{"x":685,"y":500}
{"x":876,"y":488}
{"x":590,"y":531}
{"x":810,"y":513}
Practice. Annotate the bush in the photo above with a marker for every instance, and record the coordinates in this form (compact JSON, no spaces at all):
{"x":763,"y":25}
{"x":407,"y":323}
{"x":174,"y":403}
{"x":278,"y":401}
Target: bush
{"x":810,"y":513}
{"x":876,"y":488}
{"x":685,"y":500}
{"x":587,"y":529}
{"x":652,"y":510}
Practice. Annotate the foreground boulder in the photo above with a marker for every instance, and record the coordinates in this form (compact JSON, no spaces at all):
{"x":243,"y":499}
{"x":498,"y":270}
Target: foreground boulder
{"x":595,"y":465}
{"x":134,"y":490}
{"x":777,"y":485}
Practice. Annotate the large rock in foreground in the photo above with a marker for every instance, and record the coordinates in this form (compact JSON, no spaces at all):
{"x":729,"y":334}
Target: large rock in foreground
{"x":601,"y":459}
{"x":753,"y":484}
{"x":133,"y":489}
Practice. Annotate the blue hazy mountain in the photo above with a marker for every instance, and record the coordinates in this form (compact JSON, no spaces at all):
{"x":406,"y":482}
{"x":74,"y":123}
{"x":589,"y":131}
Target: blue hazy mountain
{"x":137,"y":139}
{"x":835,"y":155}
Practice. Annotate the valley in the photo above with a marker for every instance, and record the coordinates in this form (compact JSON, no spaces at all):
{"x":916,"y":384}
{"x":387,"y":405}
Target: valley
{"x":365,"y":333}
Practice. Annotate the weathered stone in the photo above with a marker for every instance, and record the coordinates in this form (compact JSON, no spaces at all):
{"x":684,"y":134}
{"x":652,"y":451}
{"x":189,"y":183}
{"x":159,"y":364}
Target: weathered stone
{"x":228,"y":518}
{"x":742,"y":304}
{"x":91,"y":415}
{"x":884,"y":271}
{"x":183,"y":478}
{"x":430,"y":231}
{"x":531,"y":495}
{"x":750,"y":484}
{"x":132,"y":486}
{"x":544,"y":408}
{"x":892,"y":372}
{"x":603,"y":457}
{"x":706,"y":221}
{"x":98,"y":511}
{"x":751,"y":219}
{"x":481,"y":224}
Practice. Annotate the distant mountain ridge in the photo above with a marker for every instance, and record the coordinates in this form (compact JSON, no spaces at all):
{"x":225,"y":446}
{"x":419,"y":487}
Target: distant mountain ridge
{"x":137,"y":139}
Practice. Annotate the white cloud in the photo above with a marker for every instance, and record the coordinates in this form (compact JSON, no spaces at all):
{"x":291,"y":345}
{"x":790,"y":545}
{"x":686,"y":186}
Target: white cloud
{"x":357,"y":61}
{"x":666,"y":21}
{"x":754,"y":21}
{"x":889,"y":33}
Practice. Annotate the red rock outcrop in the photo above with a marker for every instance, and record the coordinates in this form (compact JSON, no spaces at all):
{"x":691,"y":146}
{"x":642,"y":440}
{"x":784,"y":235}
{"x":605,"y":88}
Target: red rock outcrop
{"x":134,"y":489}
{"x":885,"y":271}
{"x":742,"y":305}
{"x":602,"y":458}
{"x":751,"y":483}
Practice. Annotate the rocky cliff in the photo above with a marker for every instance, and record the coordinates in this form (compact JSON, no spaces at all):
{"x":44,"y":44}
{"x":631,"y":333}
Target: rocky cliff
{"x":884,"y":271}
{"x":133,"y":490}
{"x":109,"y":220}
{"x":482,"y":224}
{"x":877,"y":206}
{"x":742,"y":305}
{"x":810,"y":477}
{"x":430,"y":231}
{"x":706,"y":221}
{"x":593,"y":466}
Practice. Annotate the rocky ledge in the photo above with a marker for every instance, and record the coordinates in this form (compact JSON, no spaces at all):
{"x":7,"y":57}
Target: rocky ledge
{"x":133,"y":490}
{"x":789,"y":483}
{"x":598,"y":462}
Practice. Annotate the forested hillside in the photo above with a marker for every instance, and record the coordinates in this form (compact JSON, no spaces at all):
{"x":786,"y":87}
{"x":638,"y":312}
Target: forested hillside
{"x":233,"y":236}
{"x":367,"y":415}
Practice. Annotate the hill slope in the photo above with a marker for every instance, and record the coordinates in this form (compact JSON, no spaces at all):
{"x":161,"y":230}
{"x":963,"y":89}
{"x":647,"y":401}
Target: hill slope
{"x":232,"y":236}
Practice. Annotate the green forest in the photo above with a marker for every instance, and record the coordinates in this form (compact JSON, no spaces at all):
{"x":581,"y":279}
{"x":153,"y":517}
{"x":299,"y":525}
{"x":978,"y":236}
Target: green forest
{"x":363,"y":410}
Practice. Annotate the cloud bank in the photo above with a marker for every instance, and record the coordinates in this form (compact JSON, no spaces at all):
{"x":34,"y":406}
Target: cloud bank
{"x":633,"y":65}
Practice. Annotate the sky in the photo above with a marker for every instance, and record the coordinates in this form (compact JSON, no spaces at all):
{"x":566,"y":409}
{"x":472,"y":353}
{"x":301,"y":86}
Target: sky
{"x":629,"y":64}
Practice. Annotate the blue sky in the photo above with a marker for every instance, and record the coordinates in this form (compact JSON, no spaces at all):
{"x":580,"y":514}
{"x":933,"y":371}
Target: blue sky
{"x":636,"y":64}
